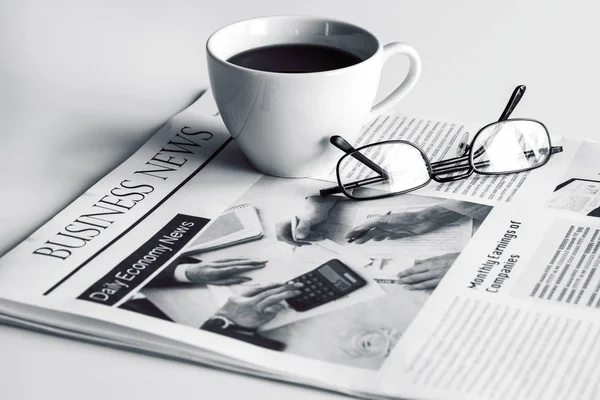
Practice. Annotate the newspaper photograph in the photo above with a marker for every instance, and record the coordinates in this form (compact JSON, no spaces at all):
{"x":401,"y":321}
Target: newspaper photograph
{"x":321,"y":277}
{"x":579,"y":189}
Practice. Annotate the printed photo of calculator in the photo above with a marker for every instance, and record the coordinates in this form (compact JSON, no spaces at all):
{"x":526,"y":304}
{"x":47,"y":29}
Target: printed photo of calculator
{"x":325,"y":283}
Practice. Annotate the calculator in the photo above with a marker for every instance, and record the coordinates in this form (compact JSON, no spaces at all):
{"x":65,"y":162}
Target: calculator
{"x":326,"y":283}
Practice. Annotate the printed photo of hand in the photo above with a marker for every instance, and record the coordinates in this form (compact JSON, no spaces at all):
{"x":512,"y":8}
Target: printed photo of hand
{"x":403,"y":224}
{"x":307,"y":226}
{"x":220,"y":272}
{"x":259,"y":305}
{"x":427,"y":274}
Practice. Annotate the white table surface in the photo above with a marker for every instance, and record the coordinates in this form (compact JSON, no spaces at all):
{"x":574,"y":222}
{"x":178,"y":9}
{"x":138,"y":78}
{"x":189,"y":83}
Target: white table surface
{"x":84,"y":83}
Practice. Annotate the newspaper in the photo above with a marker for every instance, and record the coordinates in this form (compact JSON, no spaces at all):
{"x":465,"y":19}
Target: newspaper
{"x":185,"y":251}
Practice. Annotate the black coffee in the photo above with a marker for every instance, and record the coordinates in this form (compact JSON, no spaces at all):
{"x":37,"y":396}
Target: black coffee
{"x":295,"y":58}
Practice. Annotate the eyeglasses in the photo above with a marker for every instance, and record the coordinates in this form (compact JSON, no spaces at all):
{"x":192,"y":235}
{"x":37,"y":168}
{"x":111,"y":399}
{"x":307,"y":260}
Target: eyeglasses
{"x":395,"y":167}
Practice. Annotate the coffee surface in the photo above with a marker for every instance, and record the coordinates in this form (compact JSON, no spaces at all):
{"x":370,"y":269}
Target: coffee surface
{"x":295,"y":58}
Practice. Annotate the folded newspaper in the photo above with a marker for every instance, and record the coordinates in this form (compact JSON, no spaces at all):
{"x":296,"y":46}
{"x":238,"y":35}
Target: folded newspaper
{"x":185,"y":251}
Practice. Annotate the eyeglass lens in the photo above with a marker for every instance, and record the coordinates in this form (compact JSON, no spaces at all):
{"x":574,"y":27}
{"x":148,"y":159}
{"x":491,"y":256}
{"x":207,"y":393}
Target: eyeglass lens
{"x":510,"y":146}
{"x":406,"y":166}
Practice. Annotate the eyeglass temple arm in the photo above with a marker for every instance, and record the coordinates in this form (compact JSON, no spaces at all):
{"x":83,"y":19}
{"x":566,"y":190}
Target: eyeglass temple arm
{"x":441,"y":167}
{"x":516,"y":96}
{"x":347,"y":148}
{"x":513,"y":101}
{"x":457,"y":160}
{"x":362,"y":182}
{"x":331,"y":190}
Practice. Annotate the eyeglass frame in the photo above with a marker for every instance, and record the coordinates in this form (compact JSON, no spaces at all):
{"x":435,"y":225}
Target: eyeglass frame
{"x":343,"y":145}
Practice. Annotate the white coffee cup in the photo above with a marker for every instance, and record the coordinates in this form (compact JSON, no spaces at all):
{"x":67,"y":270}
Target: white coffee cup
{"x":282,"y":122}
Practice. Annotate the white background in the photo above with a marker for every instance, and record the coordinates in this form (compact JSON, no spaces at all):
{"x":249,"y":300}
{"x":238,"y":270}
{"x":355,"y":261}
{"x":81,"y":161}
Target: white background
{"x":84,"y":83}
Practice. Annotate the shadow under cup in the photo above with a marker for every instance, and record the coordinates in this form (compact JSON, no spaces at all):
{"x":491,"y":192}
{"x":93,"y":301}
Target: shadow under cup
{"x":282,"y":122}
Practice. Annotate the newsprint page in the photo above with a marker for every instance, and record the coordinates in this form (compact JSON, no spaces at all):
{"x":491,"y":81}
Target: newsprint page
{"x":485,"y":288}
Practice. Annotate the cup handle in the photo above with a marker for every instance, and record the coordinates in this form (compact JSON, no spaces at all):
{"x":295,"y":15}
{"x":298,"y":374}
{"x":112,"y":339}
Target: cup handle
{"x":414,"y":70}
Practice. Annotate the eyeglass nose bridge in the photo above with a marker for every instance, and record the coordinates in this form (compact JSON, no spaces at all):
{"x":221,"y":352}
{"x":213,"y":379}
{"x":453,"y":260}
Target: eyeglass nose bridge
{"x":439,"y":179}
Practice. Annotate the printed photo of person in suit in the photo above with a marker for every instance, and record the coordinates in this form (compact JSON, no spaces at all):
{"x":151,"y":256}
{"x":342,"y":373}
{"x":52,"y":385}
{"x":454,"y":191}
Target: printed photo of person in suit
{"x":242,"y":315}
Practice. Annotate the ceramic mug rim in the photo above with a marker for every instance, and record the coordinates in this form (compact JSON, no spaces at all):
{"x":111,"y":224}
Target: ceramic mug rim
{"x":210,"y":45}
